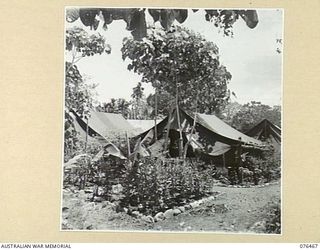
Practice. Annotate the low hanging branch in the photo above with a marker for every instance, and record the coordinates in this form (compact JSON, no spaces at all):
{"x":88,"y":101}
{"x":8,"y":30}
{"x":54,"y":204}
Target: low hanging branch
{"x":81,"y":45}
{"x":135,"y":18}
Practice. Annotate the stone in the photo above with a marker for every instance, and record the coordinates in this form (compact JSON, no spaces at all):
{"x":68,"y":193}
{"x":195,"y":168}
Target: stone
{"x":100,"y":191}
{"x":115,"y":197}
{"x":187,"y":207}
{"x":97,"y":199}
{"x":117,"y":189}
{"x":159,"y":217}
{"x":211,"y":198}
{"x":88,"y":191}
{"x":82,"y":193}
{"x":169,"y":213}
{"x":136,"y":214}
{"x":194,"y":204}
{"x":182,"y":209}
{"x":105,"y":203}
{"x":176,"y":212}
{"x":148,"y":219}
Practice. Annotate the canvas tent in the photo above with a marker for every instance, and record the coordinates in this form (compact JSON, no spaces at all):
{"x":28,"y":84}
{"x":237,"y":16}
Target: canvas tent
{"x":111,"y":125}
{"x":97,"y":131}
{"x":142,"y":125}
{"x":267,"y":132}
{"x":210,"y":136}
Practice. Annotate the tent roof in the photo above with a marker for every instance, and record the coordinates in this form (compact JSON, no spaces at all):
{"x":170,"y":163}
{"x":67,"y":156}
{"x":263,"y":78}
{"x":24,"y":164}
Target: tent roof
{"x":211,"y":134}
{"x":217,"y":126}
{"x":142,"y":125}
{"x":110,"y":125}
{"x":94,"y":136}
{"x":266,"y":130}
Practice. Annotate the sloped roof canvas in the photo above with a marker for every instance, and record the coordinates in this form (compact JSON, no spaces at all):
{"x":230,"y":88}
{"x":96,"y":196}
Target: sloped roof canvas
{"x":142,"y":125}
{"x":94,"y":136}
{"x":110,"y":125}
{"x":211,"y":135}
{"x":266,"y":130}
{"x":216,"y":125}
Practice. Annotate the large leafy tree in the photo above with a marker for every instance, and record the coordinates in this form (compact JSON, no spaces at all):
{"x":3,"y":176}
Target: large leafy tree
{"x":252,"y":113}
{"x":164,"y":101}
{"x":183,"y":64}
{"x":116,"y":106}
{"x":79,"y":95}
{"x":229,"y":111}
{"x":140,"y":108}
{"x":135,"y":18}
{"x":79,"y":44}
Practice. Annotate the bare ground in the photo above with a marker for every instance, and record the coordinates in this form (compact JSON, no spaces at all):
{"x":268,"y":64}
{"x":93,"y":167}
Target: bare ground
{"x":241,"y":209}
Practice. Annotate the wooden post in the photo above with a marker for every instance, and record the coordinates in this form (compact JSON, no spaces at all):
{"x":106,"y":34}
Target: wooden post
{"x":224,"y":160}
{"x":128,"y":143}
{"x":156,"y":114}
{"x":87,"y":130}
{"x":180,"y":130}
{"x":265,"y":129}
{"x":168,"y":129}
{"x":191,"y":133}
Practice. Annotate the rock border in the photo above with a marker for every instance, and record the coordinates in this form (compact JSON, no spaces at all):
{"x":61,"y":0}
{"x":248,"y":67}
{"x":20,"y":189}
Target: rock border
{"x":171,"y":212}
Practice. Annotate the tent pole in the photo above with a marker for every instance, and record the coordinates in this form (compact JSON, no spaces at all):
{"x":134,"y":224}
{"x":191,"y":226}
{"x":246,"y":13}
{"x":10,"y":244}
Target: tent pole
{"x":224,"y":160}
{"x":192,"y":129}
{"x":190,"y":138}
{"x":128,"y":142}
{"x":265,"y":129}
{"x":87,"y":129}
{"x":179,"y":126}
{"x":156,"y":114}
{"x":177,"y":108}
{"x":168,"y":129}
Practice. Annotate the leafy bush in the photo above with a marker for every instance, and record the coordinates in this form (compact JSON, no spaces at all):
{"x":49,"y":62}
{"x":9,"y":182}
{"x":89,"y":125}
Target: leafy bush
{"x":269,"y":165}
{"x":154,"y":185}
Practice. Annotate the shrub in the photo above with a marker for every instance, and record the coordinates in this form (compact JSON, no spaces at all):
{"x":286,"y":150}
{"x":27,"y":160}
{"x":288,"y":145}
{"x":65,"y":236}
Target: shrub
{"x":269,"y":165}
{"x":154,"y":185}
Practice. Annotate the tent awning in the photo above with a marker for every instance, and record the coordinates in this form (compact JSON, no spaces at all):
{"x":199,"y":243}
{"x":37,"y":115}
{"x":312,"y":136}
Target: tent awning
{"x":217,"y":126}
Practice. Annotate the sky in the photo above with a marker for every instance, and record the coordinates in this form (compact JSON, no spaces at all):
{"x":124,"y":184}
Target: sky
{"x":250,"y":56}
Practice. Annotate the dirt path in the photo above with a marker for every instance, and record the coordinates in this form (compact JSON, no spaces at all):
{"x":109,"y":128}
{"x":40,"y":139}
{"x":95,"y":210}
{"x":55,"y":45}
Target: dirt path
{"x":233,"y":210}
